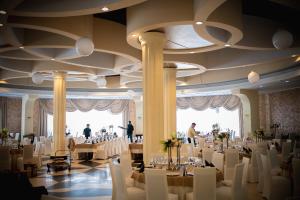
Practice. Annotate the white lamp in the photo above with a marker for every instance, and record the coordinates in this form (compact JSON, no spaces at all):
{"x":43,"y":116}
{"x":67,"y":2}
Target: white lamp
{"x":84,"y":46}
{"x":282,"y":39}
{"x":101,"y":81}
{"x":253,"y":77}
{"x":38,"y":78}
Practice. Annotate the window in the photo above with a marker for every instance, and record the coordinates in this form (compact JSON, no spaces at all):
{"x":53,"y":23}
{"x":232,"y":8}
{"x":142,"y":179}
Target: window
{"x":205,"y":119}
{"x":76,"y":122}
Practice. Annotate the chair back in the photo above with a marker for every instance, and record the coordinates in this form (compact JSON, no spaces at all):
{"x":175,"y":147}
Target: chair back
{"x":207,"y":154}
{"x":125,"y":164}
{"x":201,"y":142}
{"x":204,"y":183}
{"x":260,"y":184}
{"x":245,"y":171}
{"x":27,"y":153}
{"x":286,"y":150}
{"x":5,"y":161}
{"x":113,"y":178}
{"x":119,"y":190}
{"x":231,"y":158}
{"x":156,"y":185}
{"x":272,"y":154}
{"x":267,"y":175}
{"x":17,"y":136}
{"x":218,"y":160}
{"x":186,"y":150}
{"x":296,"y":177}
{"x":237,"y":187}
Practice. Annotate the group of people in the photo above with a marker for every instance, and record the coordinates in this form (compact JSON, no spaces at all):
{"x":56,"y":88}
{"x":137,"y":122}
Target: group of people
{"x":191,"y":132}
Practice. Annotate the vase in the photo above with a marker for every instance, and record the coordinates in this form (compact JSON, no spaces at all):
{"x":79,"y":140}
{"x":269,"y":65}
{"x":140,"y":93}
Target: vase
{"x":169,"y":157}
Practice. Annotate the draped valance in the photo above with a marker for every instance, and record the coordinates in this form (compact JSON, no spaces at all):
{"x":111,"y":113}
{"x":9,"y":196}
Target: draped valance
{"x":230,"y":102}
{"x":115,"y":106}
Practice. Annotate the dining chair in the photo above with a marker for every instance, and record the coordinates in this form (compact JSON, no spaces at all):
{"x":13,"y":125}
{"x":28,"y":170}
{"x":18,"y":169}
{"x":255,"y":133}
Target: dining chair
{"x":120,"y":191}
{"x":113,"y":178}
{"x":204,"y":184}
{"x":231,"y":159}
{"x":207,"y":154}
{"x":235,"y":191}
{"x":275,"y":187}
{"x":253,"y":168}
{"x":126,"y":167}
{"x":156,"y":185}
{"x":218,"y":161}
{"x":274,"y":163}
{"x":5,"y":161}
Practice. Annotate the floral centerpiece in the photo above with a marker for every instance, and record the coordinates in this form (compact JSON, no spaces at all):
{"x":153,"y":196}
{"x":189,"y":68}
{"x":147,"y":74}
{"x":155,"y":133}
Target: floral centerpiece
{"x":4,"y":135}
{"x":167,"y":147}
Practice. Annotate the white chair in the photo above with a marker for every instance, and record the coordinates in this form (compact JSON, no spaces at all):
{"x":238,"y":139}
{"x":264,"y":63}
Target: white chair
{"x":17,"y":136}
{"x":126,"y":168}
{"x":121,"y":191}
{"x":113,"y":178}
{"x":285,"y":151}
{"x":260,"y":185}
{"x":296,"y":177}
{"x":218,"y":160}
{"x":28,"y":157}
{"x":201,"y":142}
{"x":156,"y":185}
{"x":207,"y":154}
{"x":231,"y":159}
{"x":204,"y":187}
{"x":235,"y":192}
{"x":101,"y":151}
{"x":274,"y":163}
{"x":5,"y":161}
{"x":275,"y":187}
{"x":253,"y":168}
{"x":186,"y":150}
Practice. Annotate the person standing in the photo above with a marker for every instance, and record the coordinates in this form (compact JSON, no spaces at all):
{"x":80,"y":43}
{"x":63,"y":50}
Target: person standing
{"x":87,"y":131}
{"x":192,"y":133}
{"x":130,"y":129}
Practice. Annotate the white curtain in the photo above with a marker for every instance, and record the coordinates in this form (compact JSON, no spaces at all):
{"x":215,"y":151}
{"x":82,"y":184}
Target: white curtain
{"x":115,"y":106}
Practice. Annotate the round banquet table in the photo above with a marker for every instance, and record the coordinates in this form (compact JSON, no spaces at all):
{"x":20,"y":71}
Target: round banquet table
{"x":176,"y":184}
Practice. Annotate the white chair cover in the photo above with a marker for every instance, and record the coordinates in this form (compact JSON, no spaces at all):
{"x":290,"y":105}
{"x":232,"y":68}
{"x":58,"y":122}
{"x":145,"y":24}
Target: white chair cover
{"x":275,"y":187}
{"x":274,"y":163}
{"x":286,"y":150}
{"x":207,"y":154}
{"x":253,"y":168}
{"x":260,"y":185}
{"x":204,"y":186}
{"x":218,"y":160}
{"x":156,"y":185}
{"x":126,"y":168}
{"x":231,"y":159}
{"x":186,"y":150}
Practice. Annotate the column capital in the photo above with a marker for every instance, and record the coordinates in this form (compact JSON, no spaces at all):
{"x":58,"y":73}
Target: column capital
{"x":59,"y":74}
{"x":153,"y":38}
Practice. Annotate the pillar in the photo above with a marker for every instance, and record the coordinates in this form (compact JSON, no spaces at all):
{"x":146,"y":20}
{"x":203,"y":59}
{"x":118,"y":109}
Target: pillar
{"x":27,"y":114}
{"x":169,"y":101}
{"x":59,"y":111}
{"x":153,"y":93}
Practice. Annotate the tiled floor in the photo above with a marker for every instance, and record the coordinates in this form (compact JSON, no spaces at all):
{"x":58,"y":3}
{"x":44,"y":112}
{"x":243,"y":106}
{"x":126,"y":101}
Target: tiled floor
{"x":89,"y":180}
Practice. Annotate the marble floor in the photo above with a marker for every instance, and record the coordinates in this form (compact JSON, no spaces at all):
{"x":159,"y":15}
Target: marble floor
{"x":89,"y":180}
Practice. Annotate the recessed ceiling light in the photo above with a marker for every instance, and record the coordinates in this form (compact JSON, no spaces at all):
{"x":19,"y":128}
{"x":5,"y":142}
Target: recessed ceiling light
{"x":287,"y":81}
{"x":21,"y":47}
{"x":105,"y":9}
{"x":2,"y":12}
{"x":293,"y":56}
{"x":261,"y":86}
{"x":1,"y":25}
{"x":52,"y":59}
{"x":192,"y":52}
{"x":227,"y":45}
{"x":134,"y":35}
{"x":2,"y":82}
{"x":199,"y":23}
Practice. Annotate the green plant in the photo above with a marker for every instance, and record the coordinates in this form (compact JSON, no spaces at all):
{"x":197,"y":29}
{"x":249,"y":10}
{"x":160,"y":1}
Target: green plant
{"x":4,"y":133}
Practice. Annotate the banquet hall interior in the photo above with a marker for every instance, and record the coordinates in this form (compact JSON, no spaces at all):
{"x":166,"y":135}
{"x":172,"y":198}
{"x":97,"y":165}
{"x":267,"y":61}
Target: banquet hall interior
{"x":150,"y":99}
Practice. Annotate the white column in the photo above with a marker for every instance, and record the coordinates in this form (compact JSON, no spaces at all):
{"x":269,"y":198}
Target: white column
{"x":138,"y":115}
{"x":170,"y":101}
{"x":59,"y":111}
{"x":153,"y":107}
{"x":27,"y":114}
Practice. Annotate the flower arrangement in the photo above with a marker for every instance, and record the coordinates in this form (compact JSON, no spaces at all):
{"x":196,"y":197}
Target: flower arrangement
{"x":4,"y":133}
{"x":171,"y":142}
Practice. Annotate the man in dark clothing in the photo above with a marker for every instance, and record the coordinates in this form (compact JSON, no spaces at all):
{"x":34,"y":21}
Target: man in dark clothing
{"x":130,"y":130}
{"x":87,"y":131}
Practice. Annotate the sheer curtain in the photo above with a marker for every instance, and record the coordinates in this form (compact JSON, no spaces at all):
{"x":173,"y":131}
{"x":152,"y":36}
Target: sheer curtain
{"x":42,"y":122}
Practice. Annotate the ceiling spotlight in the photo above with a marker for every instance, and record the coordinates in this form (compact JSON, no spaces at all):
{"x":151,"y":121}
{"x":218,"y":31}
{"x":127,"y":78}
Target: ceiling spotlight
{"x":192,"y":52}
{"x":3,"y":81}
{"x":199,"y":23}
{"x":282,"y":39}
{"x":105,"y":9}
{"x":21,"y":47}
{"x":1,"y":25}
{"x":52,"y":59}
{"x":227,"y":45}
{"x":38,"y":78}
{"x":2,"y":12}
{"x":293,"y":56}
{"x":84,"y":46}
{"x":134,"y":35}
{"x":287,"y":81}
{"x":253,"y":77}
